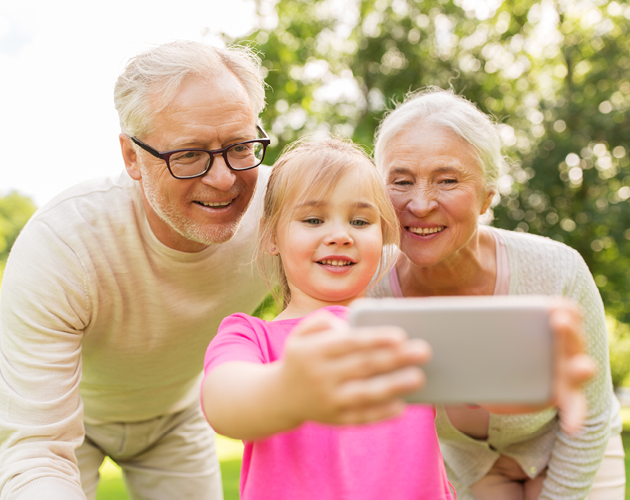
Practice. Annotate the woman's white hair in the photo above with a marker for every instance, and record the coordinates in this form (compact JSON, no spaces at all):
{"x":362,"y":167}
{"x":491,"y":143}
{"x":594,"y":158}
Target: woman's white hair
{"x":151,"y":79}
{"x":443,"y":108}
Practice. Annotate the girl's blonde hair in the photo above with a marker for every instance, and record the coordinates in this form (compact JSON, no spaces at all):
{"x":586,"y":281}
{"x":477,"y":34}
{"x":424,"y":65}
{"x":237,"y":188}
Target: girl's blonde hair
{"x":307,"y":168}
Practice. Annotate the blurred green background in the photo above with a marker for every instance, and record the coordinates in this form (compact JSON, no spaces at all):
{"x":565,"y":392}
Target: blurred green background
{"x":554,"y":74}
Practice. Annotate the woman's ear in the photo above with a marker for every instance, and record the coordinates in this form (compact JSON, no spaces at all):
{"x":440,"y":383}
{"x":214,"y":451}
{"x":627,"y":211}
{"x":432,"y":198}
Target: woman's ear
{"x":487,"y":201}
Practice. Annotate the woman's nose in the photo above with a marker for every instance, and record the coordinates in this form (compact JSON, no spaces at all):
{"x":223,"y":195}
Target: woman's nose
{"x":423,"y":203}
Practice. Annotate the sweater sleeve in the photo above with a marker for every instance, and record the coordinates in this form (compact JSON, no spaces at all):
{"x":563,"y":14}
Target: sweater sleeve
{"x":576,"y":459}
{"x":44,"y":309}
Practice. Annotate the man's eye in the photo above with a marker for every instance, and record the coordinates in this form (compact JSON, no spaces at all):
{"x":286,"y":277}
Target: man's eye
{"x":402,"y":183}
{"x":449,"y":181}
{"x":186,"y":156}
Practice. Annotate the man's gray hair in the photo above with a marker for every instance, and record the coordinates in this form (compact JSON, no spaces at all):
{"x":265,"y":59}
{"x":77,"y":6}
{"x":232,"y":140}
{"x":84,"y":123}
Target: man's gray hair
{"x":443,"y":108}
{"x":151,"y":79}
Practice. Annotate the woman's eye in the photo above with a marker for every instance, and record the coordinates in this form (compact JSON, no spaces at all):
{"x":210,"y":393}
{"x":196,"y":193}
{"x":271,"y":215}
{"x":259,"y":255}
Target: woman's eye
{"x":449,"y":181}
{"x":401,"y":183}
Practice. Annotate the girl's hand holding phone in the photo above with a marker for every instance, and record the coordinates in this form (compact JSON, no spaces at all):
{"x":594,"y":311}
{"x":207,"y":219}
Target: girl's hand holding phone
{"x":333,"y":374}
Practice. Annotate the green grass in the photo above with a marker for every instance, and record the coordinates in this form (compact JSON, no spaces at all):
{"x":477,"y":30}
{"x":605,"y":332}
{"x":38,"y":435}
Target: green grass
{"x":112,"y":487}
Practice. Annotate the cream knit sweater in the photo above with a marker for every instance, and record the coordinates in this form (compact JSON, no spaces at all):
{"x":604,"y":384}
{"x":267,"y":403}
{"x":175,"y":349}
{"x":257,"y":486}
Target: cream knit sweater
{"x":100,"y":321}
{"x":541,"y":266}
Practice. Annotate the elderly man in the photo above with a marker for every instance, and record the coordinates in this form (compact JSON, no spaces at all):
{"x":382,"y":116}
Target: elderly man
{"x":114,"y":289}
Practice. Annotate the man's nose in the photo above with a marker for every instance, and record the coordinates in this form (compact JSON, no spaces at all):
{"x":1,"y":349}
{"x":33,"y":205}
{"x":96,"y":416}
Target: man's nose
{"x":219,"y":176}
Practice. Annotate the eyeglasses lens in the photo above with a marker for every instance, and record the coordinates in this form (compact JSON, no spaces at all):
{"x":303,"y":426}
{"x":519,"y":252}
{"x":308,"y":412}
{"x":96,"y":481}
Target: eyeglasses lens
{"x":239,"y":157}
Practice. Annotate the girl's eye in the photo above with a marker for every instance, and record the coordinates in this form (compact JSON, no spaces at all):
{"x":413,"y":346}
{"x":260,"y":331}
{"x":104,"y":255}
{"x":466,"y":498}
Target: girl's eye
{"x":359,"y":223}
{"x":314,"y":221}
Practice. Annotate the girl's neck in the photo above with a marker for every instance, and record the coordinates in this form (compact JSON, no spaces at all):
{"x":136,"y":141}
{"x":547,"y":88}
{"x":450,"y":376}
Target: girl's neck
{"x":302,"y":305}
{"x":471,"y":271}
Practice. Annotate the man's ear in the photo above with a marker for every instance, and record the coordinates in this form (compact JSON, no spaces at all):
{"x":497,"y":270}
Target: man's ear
{"x":130,"y":157}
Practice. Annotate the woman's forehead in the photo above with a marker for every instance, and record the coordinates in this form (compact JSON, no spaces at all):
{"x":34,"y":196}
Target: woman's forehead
{"x":427,"y":145}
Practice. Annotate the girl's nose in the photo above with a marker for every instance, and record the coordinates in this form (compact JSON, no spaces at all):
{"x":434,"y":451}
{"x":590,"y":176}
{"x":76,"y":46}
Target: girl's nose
{"x":339,"y":235}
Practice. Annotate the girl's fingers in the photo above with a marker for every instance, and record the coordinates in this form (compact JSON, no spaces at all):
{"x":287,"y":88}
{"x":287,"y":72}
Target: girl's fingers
{"x":369,"y":361}
{"x":381,"y":389}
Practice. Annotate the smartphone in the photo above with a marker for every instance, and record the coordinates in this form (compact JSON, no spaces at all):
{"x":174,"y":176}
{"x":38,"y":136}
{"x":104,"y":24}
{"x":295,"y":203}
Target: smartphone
{"x":490,"y":349}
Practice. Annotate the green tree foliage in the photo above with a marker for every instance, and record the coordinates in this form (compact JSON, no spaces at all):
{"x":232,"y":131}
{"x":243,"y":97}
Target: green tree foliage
{"x":555,"y":75}
{"x":15,"y":211}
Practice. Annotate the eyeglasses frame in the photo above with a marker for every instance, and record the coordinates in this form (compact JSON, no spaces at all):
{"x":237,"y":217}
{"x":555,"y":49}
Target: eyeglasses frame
{"x":166,"y":155}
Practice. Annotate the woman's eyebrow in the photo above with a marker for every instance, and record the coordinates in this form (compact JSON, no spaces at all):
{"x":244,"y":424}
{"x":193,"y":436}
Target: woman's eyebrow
{"x":399,"y":170}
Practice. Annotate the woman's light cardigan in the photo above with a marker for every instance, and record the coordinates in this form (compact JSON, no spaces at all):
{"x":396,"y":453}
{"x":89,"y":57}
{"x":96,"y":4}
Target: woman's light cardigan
{"x":541,"y":266}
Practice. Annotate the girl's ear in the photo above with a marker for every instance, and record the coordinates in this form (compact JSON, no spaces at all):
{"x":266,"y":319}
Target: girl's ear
{"x":269,"y":242}
{"x":271,"y":247}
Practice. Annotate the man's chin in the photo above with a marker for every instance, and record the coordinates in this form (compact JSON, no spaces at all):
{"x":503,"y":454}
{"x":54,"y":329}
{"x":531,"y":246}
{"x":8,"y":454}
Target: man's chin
{"x":216,"y":234}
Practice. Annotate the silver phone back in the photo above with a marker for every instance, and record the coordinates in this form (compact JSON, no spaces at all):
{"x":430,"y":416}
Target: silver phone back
{"x":485,"y":349}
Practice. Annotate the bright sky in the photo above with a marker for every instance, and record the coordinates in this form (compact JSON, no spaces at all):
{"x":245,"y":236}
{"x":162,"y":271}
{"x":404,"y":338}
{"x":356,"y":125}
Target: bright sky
{"x":58,"y":64}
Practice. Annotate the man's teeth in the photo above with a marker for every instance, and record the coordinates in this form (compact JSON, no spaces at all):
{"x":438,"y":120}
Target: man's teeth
{"x":427,"y":230}
{"x":213,"y":204}
{"x":339,"y":263}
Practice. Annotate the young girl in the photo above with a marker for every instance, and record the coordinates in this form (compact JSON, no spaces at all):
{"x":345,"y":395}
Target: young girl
{"x":282,"y":385}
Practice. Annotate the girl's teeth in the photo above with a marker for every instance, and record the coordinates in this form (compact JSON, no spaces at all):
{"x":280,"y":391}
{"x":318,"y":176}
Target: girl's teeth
{"x":336,"y":262}
{"x":426,"y":231}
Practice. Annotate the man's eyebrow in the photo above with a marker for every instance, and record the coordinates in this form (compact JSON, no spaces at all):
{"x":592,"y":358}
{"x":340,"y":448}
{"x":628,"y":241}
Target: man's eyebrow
{"x":191,"y":142}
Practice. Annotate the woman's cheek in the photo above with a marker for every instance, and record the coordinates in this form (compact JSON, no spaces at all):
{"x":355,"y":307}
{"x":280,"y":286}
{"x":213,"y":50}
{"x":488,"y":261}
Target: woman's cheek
{"x":397,"y":197}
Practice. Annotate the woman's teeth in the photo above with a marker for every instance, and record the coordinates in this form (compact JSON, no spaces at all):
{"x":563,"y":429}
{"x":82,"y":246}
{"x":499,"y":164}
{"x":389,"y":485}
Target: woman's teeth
{"x":426,"y":230}
{"x":339,"y":263}
{"x":214,"y":204}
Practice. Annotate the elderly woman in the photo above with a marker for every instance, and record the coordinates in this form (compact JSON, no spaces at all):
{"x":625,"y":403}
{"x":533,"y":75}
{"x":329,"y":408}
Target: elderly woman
{"x":440,"y":157}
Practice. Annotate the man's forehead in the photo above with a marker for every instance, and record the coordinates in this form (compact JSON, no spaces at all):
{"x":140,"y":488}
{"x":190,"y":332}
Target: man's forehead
{"x":216,"y":108}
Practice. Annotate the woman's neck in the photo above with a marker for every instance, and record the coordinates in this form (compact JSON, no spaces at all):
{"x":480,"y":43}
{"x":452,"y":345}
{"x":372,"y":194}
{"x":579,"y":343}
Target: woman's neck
{"x":472,"y":270}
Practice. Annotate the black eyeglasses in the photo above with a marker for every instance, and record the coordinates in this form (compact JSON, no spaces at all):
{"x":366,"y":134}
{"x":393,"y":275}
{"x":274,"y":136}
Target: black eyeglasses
{"x":195,"y":162}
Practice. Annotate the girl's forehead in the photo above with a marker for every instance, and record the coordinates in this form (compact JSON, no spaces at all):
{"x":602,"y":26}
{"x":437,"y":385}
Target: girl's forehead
{"x":352,"y":183}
